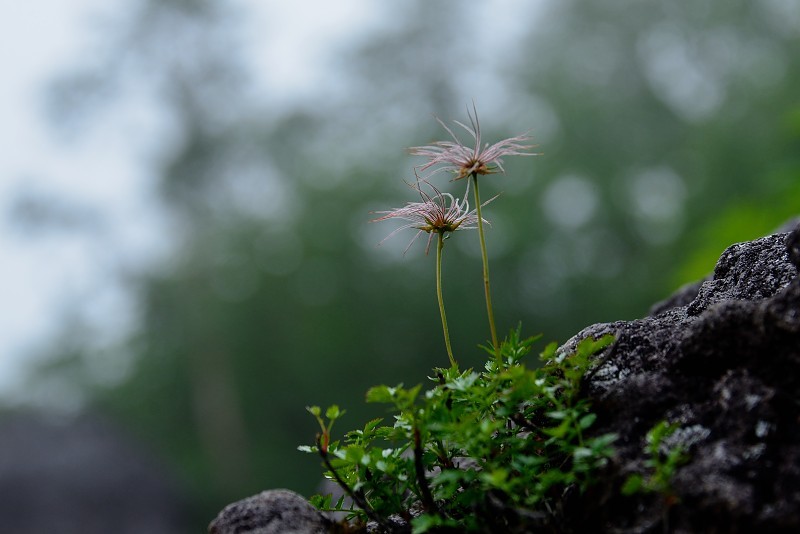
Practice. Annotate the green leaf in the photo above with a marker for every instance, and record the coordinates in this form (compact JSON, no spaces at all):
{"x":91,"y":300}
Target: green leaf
{"x":558,"y":432}
{"x":321,"y":502}
{"x":586,"y":421}
{"x":496,"y":478}
{"x":426,"y":522}
{"x":602,"y":444}
{"x":357,"y":455}
{"x":632,"y":485}
{"x":451,"y":481}
{"x":370,"y":427}
{"x":549,"y":352}
{"x":333,"y":412}
{"x":463,"y":383}
{"x":581,"y":453}
{"x":383,"y":394}
{"x":660,"y":431}
{"x":339,"y":503}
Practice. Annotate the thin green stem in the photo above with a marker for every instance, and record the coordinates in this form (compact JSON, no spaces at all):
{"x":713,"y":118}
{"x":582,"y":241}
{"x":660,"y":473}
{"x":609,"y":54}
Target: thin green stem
{"x":439,"y":247}
{"x":486,"y":288}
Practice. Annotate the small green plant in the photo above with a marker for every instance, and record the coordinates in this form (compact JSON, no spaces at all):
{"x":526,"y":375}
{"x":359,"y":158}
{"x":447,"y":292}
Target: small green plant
{"x":503,"y":440}
{"x":662,"y":460}
{"x":481,"y":449}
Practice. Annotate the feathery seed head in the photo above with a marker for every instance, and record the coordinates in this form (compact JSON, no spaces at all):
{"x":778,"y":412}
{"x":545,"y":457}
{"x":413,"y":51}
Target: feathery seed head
{"x":463,"y":161}
{"x":437,"y":213}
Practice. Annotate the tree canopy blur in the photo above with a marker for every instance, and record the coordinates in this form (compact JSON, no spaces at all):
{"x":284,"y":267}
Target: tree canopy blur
{"x":666,"y":131}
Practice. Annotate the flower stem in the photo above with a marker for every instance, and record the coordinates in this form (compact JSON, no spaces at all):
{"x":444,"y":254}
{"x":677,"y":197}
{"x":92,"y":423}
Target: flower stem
{"x":439,"y":247}
{"x":486,"y":288}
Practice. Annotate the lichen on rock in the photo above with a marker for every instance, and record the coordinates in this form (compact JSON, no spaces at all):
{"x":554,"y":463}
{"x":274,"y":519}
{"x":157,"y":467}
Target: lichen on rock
{"x":724,"y":361}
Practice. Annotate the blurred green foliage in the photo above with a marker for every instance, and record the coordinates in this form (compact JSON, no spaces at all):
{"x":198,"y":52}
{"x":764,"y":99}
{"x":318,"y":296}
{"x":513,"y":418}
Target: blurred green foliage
{"x":667,"y":131}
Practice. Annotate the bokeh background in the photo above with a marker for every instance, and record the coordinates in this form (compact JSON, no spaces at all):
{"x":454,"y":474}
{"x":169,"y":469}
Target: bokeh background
{"x":185,"y":255}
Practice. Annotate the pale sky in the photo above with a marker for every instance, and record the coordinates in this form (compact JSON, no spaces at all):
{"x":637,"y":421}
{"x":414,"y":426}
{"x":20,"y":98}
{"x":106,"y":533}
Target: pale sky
{"x":43,"y":278}
{"x":39,"y":37}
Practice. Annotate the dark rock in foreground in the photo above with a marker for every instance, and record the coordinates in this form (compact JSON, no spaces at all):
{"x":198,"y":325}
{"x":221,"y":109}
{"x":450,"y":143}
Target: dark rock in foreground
{"x":270,"y":512}
{"x":724,"y":364}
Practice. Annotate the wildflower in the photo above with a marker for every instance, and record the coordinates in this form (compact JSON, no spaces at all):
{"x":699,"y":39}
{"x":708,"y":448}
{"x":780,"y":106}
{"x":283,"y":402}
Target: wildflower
{"x":466,"y":161}
{"x":438,"y":213}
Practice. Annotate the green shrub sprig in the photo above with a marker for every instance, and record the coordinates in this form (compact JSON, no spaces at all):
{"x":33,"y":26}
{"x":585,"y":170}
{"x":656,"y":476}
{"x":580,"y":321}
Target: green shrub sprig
{"x":662,"y":462}
{"x":505,"y":440}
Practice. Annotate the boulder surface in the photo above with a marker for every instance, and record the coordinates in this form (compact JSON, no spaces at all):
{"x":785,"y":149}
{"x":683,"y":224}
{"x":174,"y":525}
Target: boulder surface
{"x":721,"y":359}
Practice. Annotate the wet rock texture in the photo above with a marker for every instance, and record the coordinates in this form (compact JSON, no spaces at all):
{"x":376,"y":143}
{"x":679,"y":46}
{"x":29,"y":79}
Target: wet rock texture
{"x":270,"y":512}
{"x":721,"y":359}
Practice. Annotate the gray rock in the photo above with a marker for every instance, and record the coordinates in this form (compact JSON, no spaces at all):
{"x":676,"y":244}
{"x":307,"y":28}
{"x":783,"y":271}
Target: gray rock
{"x":270,"y":512}
{"x":747,"y":271}
{"x":722,"y":359}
